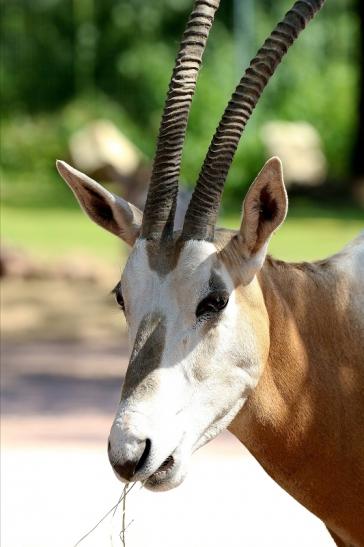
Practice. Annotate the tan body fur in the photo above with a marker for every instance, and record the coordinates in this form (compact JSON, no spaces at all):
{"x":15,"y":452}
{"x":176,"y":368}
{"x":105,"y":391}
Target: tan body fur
{"x":304,"y":422}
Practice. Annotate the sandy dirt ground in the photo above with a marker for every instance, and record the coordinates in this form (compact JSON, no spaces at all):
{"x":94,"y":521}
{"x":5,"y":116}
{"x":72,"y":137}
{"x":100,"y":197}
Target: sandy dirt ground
{"x":63,"y":358}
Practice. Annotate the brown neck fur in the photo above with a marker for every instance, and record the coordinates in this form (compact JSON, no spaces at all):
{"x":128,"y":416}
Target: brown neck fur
{"x":305,"y":420}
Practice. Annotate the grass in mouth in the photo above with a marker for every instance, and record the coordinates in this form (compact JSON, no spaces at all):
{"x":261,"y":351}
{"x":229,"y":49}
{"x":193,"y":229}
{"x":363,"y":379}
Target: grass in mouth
{"x":113,"y":510}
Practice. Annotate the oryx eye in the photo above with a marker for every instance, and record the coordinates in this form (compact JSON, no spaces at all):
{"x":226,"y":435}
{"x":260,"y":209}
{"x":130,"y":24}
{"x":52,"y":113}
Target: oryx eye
{"x":119,"y":297}
{"x":213,"y":303}
{"x":120,"y":300}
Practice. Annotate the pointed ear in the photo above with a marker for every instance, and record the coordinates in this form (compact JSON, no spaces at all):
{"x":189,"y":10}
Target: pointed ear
{"x":106,"y":209}
{"x":264,"y":210}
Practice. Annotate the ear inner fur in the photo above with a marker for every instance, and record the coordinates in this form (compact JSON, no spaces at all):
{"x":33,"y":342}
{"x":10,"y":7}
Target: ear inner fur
{"x":103,"y":207}
{"x":265,"y":207}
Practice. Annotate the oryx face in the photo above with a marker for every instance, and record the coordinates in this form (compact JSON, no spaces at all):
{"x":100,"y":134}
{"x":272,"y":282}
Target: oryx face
{"x":197,"y":322}
{"x":198,"y":328}
{"x":194,"y":359}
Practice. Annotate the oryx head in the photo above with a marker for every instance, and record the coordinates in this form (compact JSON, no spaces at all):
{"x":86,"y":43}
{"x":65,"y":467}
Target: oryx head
{"x":198,"y":326}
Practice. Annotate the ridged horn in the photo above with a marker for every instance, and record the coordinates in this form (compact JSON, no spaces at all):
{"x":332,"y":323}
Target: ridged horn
{"x":203,"y":209}
{"x":162,"y":195}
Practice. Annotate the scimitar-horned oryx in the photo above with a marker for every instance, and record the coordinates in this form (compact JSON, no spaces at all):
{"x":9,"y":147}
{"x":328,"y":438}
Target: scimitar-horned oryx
{"x":222,"y":335}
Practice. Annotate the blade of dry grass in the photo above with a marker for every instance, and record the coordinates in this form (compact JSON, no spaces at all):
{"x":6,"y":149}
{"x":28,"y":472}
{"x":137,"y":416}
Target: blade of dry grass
{"x":113,"y":508}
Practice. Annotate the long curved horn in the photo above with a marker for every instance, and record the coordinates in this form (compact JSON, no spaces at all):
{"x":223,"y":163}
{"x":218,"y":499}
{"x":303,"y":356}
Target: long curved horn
{"x":161,"y":200}
{"x":203,"y":209}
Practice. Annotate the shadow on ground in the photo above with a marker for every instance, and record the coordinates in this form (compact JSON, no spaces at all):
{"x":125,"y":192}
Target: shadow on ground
{"x":52,"y":378}
{"x":69,"y":368}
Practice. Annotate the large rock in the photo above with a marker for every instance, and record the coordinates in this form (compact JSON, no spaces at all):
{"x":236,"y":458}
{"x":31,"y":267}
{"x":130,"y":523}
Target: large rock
{"x":99,"y":145}
{"x":298,"y":145}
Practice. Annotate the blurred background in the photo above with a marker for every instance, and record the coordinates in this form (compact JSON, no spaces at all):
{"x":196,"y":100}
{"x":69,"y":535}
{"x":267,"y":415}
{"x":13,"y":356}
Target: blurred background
{"x":85,"y":81}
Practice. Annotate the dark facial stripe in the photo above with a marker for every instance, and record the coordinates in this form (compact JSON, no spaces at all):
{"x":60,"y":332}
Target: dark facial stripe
{"x":146,"y":355}
{"x":163,"y":255}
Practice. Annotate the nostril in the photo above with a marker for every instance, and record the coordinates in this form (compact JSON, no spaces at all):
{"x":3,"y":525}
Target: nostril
{"x":125,"y":470}
{"x":128,"y":467}
{"x":108,"y":447}
{"x":144,"y":456}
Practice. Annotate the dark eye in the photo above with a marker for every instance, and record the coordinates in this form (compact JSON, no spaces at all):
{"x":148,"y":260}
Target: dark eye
{"x":120,"y":300}
{"x":118,"y":296}
{"x":213,"y":303}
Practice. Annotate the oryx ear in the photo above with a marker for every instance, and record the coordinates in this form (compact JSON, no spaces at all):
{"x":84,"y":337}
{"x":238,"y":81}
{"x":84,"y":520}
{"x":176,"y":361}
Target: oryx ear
{"x":264,"y":210}
{"x":103,"y":207}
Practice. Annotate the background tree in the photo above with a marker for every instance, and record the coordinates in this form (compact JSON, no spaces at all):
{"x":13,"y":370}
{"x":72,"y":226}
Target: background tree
{"x":358,"y":156}
{"x":65,"y":62}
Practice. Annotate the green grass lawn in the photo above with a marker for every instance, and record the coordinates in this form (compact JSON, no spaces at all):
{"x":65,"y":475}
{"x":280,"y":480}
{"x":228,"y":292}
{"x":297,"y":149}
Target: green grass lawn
{"x":309,"y":232}
{"x":51,"y":233}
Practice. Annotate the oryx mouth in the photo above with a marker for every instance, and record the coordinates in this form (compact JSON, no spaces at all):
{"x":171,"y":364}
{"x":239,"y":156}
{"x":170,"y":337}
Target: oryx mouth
{"x":163,"y":473}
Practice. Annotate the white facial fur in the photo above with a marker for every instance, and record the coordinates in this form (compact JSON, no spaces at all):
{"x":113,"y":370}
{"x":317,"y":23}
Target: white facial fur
{"x":205,"y":372}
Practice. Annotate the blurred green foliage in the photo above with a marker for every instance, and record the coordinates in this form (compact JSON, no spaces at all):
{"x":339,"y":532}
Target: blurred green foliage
{"x":65,"y":62}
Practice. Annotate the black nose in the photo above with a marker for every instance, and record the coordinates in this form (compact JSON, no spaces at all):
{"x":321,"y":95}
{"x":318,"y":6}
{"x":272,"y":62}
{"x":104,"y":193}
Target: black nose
{"x":128,"y":468}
